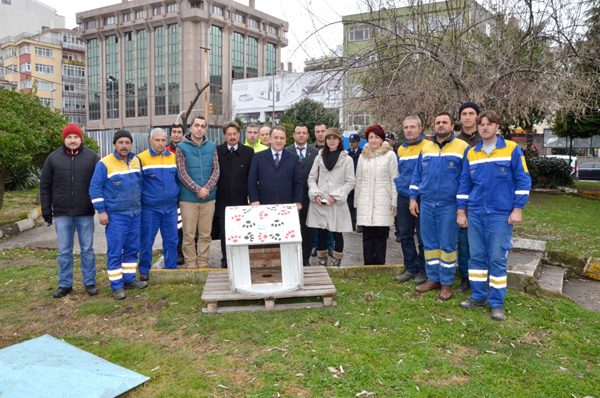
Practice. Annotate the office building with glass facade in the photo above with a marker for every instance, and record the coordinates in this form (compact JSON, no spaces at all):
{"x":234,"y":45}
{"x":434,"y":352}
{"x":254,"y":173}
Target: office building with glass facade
{"x":145,"y":58}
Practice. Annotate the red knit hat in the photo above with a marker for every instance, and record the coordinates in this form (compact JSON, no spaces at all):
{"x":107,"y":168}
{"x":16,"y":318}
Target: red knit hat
{"x":72,"y":129}
{"x":375,"y":129}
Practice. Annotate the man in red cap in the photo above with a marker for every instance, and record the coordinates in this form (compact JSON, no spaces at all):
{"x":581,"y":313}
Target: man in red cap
{"x":64,"y":186}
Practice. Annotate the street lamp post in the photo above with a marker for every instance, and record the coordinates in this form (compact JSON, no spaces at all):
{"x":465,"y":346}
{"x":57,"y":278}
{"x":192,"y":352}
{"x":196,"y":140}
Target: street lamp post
{"x":273,"y":96}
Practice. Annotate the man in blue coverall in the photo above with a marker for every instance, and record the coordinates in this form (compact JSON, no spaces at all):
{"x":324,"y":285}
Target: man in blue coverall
{"x":494,"y":186}
{"x":160,"y":194}
{"x":115,"y":191}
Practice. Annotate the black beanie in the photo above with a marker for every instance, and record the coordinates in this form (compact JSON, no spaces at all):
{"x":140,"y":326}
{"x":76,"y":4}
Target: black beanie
{"x":468,"y":105}
{"x":121,"y":134}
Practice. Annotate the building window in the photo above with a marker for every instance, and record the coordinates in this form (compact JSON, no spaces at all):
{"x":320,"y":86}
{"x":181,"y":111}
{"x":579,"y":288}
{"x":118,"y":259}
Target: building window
{"x":26,"y":84}
{"x":47,"y":101}
{"x":11,"y":69}
{"x":253,"y":23}
{"x":142,"y":73}
{"x":197,"y":4}
{"x":172,"y":7}
{"x":127,"y":17}
{"x":237,"y":56}
{"x":157,"y":10}
{"x":358,"y":33}
{"x":91,"y":24}
{"x":239,"y":18}
{"x":112,"y":77}
{"x":45,"y":85}
{"x":24,"y":49}
{"x":140,"y":14}
{"x":251,"y":57}
{"x":359,"y":119}
{"x":70,"y":38}
{"x":362,"y":61}
{"x":272,"y":30}
{"x":25,"y":67}
{"x":129,"y":74}
{"x":173,"y":69}
{"x":41,"y":68}
{"x":216,"y":68}
{"x":159,"y":71}
{"x":73,"y":70}
{"x":94,"y":88}
{"x":270,"y":59}
{"x":73,"y":87}
{"x":11,"y":52}
{"x":217,"y":10}
{"x":73,"y":104}
{"x":7,"y":2}
{"x":109,"y":21}
{"x":70,"y":56}
{"x":44,"y":52}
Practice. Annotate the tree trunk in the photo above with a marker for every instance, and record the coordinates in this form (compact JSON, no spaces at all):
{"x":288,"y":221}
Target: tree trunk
{"x":3,"y":176}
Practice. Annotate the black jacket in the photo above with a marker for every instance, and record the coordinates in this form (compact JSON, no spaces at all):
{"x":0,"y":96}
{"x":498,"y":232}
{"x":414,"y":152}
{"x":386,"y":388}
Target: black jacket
{"x":305,"y":165}
{"x":232,"y":187}
{"x":65,"y":182}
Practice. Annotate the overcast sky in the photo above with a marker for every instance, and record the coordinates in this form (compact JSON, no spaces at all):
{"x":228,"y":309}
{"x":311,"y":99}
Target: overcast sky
{"x":304,"y":18}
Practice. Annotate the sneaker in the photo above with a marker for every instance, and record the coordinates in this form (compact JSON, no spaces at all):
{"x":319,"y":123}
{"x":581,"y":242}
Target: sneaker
{"x":420,"y":278}
{"x":119,"y":294}
{"x":405,"y":276}
{"x":427,"y":286}
{"x":498,"y":314}
{"x":145,"y":277}
{"x":464,"y":286}
{"x":91,"y":290}
{"x":62,"y":292}
{"x":473,"y":303}
{"x":135,"y":285}
{"x":313,"y":253}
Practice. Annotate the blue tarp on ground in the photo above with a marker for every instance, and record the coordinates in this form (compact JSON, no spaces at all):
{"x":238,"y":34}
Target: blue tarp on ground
{"x":49,"y":367}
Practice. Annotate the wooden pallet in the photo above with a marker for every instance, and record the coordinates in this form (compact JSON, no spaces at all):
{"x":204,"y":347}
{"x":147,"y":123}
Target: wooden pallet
{"x":317,"y":283}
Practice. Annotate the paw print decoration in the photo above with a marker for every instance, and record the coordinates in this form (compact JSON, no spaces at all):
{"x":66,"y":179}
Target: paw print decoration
{"x":234,"y":238}
{"x":237,"y":217}
{"x":248,"y":224}
{"x":290,"y":235}
{"x":263,"y":214}
{"x":249,"y":237}
{"x":276,"y":223}
{"x":283,"y":212}
{"x":276,"y":237}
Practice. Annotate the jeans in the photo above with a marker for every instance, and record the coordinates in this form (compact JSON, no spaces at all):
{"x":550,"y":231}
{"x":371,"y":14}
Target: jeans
{"x":414,"y":260}
{"x":65,"y":231}
{"x":463,"y":252}
{"x":489,"y":235}
{"x":439,"y":231}
{"x":151,"y":222}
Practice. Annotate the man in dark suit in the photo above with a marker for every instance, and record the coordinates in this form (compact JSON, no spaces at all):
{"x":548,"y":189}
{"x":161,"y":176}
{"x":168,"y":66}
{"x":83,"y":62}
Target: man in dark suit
{"x":275,"y":176}
{"x":232,"y":189}
{"x":307,"y":155}
{"x":354,"y":151}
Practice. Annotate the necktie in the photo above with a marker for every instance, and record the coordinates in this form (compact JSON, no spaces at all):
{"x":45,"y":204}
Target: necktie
{"x":232,"y":150}
{"x":276,"y":159}
{"x":301,"y":153}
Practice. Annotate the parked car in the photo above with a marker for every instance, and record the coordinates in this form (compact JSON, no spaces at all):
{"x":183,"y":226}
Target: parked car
{"x":574,"y":165}
{"x":589,"y":171}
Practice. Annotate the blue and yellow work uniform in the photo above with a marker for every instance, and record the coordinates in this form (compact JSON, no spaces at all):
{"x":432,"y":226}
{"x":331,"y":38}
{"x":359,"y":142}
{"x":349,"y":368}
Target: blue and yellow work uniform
{"x":435,"y":182}
{"x":491,"y":187}
{"x":408,"y":155}
{"x":116,"y":189}
{"x":160,"y":194}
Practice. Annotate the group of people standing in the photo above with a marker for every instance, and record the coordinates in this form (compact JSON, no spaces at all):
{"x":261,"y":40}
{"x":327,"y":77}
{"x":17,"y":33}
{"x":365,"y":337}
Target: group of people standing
{"x":459,"y":195}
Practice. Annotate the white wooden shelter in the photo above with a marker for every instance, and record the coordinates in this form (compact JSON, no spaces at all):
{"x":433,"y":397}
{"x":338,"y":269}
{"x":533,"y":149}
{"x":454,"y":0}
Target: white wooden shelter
{"x":264,"y":249}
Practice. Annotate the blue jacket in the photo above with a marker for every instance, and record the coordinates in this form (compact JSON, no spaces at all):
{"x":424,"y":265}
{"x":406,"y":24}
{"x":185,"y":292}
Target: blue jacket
{"x":407,"y":161}
{"x":199,"y":161}
{"x":116,"y":185}
{"x":354,"y":156}
{"x":437,"y":173}
{"x":275,"y":185}
{"x":160,"y":191}
{"x":494,"y":184}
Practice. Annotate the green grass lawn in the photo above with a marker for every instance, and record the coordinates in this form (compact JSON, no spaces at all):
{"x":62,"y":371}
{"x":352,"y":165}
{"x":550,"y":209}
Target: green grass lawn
{"x":567,"y":223}
{"x":593,"y":186}
{"x":398,"y":344}
{"x":17,"y":204}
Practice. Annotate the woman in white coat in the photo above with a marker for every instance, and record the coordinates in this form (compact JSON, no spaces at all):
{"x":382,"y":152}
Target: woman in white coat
{"x":330,"y":181}
{"x":375,"y":194}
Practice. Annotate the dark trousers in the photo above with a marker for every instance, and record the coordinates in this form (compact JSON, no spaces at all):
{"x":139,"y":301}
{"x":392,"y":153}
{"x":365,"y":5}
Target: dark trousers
{"x":307,"y":236}
{"x":375,"y":244}
{"x":221,"y":221}
{"x":338,"y":240}
{"x":414,"y":260}
{"x":350,"y":201}
{"x":463,"y":252}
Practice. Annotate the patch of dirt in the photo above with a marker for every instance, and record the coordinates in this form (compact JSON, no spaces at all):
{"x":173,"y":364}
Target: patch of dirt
{"x":459,"y":352}
{"x":535,"y":338}
{"x":449,"y":381}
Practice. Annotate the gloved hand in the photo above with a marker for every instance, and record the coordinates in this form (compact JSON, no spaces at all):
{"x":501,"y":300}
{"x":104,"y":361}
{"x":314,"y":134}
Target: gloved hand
{"x":47,"y":218}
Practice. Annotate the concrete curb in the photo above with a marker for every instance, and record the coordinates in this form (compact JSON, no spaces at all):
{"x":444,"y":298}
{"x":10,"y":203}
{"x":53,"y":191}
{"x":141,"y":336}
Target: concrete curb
{"x":15,"y":228}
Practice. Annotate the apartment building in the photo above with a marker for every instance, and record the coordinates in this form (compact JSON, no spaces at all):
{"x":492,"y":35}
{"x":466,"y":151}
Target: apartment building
{"x":17,"y":16}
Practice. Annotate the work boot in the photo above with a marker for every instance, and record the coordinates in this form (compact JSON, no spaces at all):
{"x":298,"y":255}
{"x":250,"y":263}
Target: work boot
{"x":62,"y":292}
{"x":119,"y":294}
{"x":145,"y":277}
{"x":313,"y":253}
{"x":498,"y":314}
{"x":322,"y":255}
{"x":464,"y":286}
{"x":471,"y":303}
{"x":420,"y":278}
{"x":337,"y":259}
{"x":91,"y":290}
{"x":135,"y":285}
{"x":405,"y":276}
{"x":446,"y":292}
{"x":427,"y":286}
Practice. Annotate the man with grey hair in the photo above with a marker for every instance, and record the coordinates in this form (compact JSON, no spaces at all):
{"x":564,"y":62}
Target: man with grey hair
{"x":408,"y":153}
{"x":159,"y":202}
